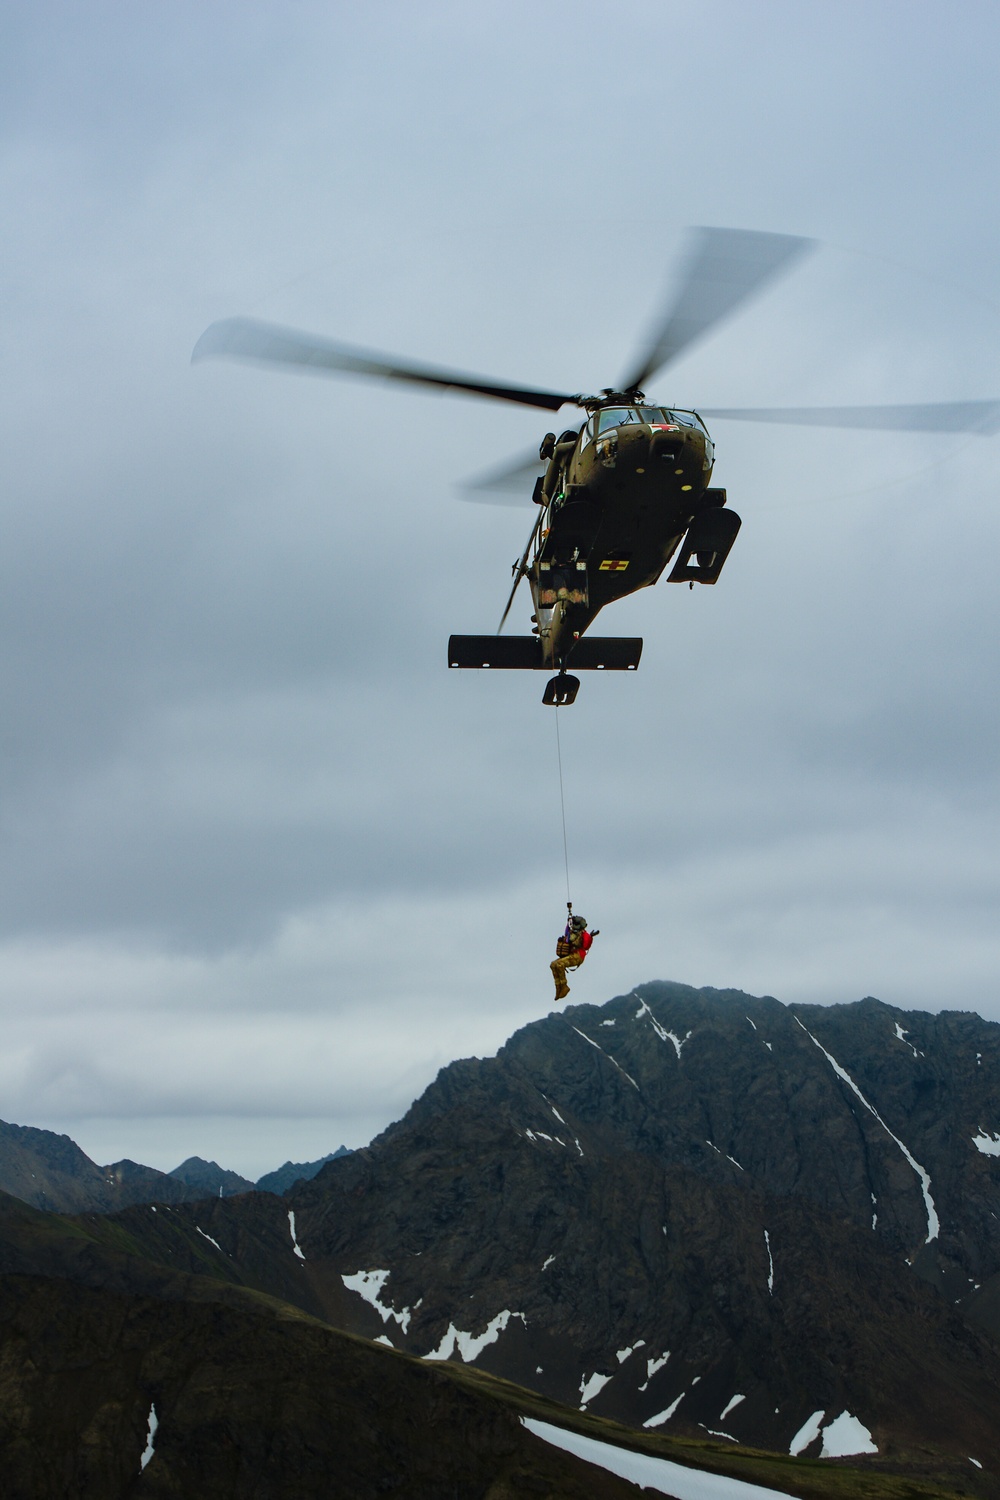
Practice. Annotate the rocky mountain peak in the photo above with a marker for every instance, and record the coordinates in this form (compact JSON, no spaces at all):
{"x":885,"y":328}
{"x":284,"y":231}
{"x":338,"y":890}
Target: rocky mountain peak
{"x":208,"y":1178}
{"x":686,"y":1195}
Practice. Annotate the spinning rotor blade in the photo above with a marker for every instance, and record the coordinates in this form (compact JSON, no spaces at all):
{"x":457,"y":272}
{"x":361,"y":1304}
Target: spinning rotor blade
{"x":509,"y":485}
{"x":246,"y":338}
{"x":724,"y":268}
{"x":519,"y":569}
{"x":982,"y":417}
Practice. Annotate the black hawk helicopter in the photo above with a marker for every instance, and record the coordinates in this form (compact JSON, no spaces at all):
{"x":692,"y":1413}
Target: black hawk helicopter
{"x":630,"y":489}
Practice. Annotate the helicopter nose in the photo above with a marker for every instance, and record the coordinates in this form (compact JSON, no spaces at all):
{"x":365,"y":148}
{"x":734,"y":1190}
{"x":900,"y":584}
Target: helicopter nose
{"x":665,"y":448}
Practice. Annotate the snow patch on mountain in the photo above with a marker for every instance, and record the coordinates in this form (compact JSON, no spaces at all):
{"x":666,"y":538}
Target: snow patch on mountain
{"x":369,"y":1285}
{"x":591,"y":1386}
{"x":845,"y":1437}
{"x":904,"y":1036}
{"x":471,"y":1345}
{"x":807,"y":1433}
{"x":151,"y":1434}
{"x":664,"y":1416}
{"x":661,"y":1032}
{"x":210,"y":1239}
{"x":652,"y":1365}
{"x":291,"y":1231}
{"x":610,"y":1059}
{"x":933,"y":1223}
{"x":650,"y":1473}
{"x":988,"y":1144}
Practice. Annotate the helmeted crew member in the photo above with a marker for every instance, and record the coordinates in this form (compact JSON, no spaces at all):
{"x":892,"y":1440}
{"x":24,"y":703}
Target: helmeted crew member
{"x":571,"y":950}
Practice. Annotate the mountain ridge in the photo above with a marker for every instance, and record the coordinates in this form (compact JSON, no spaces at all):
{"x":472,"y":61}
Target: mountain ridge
{"x":252,"y":1396}
{"x":50,"y":1171}
{"x":723,"y":1128}
{"x":693,"y":1212}
{"x":651,"y":1207}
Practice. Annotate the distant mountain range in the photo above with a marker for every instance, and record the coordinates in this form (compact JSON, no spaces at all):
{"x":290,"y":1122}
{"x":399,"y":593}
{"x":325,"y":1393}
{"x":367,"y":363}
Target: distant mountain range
{"x":295,"y":1171}
{"x":709,"y":1217}
{"x":50,"y":1171}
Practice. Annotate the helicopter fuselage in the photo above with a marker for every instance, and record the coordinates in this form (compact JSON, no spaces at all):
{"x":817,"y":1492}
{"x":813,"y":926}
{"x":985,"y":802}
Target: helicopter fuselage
{"x":631,"y":489}
{"x":619,"y":495}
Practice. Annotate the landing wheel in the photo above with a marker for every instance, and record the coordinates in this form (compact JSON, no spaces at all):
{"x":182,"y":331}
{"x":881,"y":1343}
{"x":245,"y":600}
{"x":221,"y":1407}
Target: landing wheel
{"x":561,"y":691}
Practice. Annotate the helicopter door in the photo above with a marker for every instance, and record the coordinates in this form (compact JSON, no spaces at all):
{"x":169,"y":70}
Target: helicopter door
{"x":708,"y":542}
{"x":562,"y":563}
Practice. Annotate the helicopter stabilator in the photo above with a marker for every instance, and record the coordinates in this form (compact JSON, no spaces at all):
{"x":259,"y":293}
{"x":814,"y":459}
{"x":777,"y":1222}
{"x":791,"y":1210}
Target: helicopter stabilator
{"x":629,"y":490}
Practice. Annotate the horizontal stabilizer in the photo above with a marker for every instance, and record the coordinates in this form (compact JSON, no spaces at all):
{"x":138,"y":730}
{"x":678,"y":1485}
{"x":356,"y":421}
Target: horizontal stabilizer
{"x":524,"y":653}
{"x":609,"y":653}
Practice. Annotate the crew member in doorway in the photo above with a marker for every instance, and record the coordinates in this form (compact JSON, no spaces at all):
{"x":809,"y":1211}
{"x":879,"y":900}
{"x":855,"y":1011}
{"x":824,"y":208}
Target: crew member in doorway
{"x":571,"y":949}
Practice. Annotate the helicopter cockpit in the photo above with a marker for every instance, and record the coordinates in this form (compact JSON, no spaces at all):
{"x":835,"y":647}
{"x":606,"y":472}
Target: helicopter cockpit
{"x":664,"y":426}
{"x":654,"y":416}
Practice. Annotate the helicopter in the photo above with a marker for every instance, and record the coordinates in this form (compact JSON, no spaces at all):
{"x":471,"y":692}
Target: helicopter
{"x":622,"y":494}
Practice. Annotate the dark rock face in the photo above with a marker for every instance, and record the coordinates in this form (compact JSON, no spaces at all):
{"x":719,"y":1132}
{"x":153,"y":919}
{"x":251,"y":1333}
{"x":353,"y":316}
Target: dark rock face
{"x":696,"y":1211}
{"x":292,"y":1172}
{"x":251,"y":1398}
{"x":50,"y":1171}
{"x":207,"y":1179}
{"x":247,"y":1405}
{"x":762,"y":1192}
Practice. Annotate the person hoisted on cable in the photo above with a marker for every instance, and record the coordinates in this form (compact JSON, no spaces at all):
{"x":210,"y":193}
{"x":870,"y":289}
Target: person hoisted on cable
{"x":571,"y":950}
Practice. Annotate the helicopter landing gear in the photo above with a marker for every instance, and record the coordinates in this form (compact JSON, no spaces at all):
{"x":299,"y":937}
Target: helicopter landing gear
{"x":561,"y":691}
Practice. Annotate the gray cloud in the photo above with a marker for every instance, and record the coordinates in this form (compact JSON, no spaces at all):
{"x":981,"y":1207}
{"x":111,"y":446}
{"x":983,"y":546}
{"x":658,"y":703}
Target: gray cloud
{"x":264,"y":859}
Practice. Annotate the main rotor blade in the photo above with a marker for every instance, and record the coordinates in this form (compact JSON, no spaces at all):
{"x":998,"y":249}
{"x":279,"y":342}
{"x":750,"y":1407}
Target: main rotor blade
{"x":982,"y":417}
{"x":266,"y":343}
{"x":519,"y":569}
{"x":509,"y":485}
{"x":724,"y":268}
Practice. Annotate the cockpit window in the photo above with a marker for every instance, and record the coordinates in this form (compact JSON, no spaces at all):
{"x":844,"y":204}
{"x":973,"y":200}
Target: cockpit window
{"x":617,"y":416}
{"x":677,"y":418}
{"x":621,"y":416}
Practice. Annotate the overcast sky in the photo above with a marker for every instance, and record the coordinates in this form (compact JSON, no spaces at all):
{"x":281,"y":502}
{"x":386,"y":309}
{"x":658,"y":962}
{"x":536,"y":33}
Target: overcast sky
{"x":267,"y":864}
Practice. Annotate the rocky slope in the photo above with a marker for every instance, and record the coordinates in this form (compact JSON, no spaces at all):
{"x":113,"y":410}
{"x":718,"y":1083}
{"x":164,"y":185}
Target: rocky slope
{"x":689,"y":1210}
{"x":249,"y":1398}
{"x":121,"y":1377}
{"x":745,"y":1186}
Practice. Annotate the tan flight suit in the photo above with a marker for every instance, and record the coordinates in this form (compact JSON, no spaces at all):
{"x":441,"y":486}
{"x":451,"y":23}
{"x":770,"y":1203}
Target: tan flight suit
{"x":572,"y":960}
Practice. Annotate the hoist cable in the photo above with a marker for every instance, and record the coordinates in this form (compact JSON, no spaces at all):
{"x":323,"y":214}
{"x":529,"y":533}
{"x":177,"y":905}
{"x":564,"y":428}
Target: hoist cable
{"x":562,"y":803}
